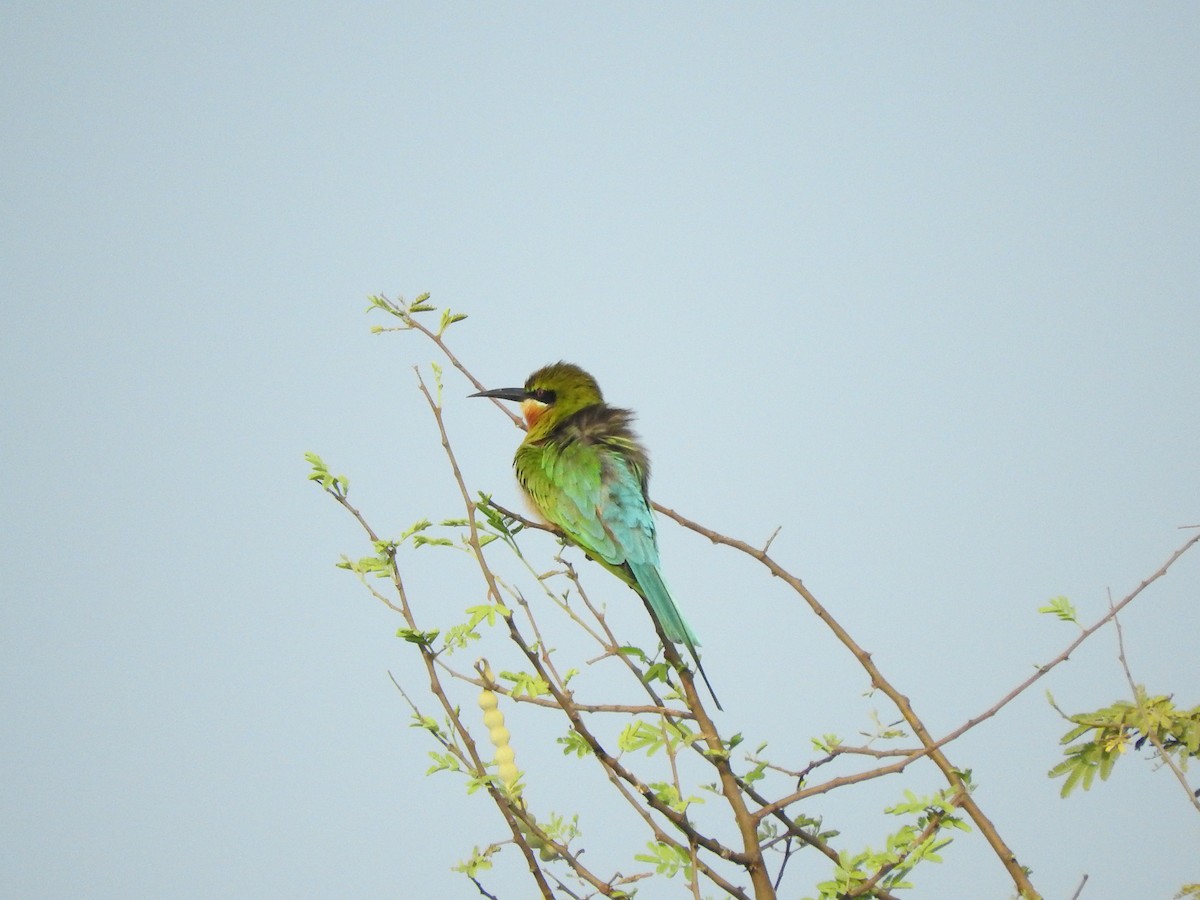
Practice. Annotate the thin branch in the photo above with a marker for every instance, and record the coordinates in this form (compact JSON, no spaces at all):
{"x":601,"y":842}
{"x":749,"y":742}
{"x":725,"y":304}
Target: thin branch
{"x":415,"y":324}
{"x":1071,"y":648}
{"x":548,"y":703}
{"x":840,"y":781}
{"x":564,"y":889}
{"x":525,"y":522}
{"x":771,"y":539}
{"x":475,"y":881}
{"x":787,"y":855}
{"x":911,"y":756}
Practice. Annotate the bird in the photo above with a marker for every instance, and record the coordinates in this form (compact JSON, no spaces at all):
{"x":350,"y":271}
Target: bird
{"x":584,"y":469}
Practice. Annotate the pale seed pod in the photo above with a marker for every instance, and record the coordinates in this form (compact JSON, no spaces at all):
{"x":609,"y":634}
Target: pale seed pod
{"x":493,"y":720}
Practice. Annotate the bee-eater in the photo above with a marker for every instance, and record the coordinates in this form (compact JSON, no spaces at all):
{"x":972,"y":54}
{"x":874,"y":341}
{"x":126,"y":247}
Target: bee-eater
{"x":585,"y":471}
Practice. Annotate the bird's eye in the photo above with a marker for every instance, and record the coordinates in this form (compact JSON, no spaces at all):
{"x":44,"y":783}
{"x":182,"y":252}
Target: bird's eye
{"x":541,"y":395}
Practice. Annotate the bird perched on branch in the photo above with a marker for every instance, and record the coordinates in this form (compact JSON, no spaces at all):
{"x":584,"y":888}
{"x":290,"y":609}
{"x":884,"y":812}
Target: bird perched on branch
{"x":585,"y":471}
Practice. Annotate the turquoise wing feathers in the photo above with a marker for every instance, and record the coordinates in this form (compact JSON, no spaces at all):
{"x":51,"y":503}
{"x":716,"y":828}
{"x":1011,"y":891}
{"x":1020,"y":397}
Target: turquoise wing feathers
{"x":596,"y":495}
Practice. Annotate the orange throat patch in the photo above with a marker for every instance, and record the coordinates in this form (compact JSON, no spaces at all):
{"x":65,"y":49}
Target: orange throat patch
{"x":532,"y":410}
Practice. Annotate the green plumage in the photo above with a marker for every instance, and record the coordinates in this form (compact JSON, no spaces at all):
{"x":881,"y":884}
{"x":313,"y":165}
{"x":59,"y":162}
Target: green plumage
{"x":585,"y":471}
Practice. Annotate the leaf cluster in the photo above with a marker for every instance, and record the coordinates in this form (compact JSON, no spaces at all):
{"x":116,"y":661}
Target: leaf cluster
{"x":1103,"y":736}
{"x":650,"y":751}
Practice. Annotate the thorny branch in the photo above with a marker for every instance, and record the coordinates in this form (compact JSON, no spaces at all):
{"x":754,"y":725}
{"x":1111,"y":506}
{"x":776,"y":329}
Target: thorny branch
{"x":736,"y":790}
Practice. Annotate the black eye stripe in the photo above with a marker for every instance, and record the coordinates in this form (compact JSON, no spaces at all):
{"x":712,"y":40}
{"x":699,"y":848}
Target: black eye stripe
{"x":541,"y":395}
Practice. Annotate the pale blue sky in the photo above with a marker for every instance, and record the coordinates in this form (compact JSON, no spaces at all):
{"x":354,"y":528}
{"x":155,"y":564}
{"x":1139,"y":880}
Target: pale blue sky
{"x":919,"y":284}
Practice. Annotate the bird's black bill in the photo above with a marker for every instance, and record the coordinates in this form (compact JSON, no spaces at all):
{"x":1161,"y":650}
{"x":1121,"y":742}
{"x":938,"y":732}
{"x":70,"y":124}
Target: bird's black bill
{"x":516,"y":394}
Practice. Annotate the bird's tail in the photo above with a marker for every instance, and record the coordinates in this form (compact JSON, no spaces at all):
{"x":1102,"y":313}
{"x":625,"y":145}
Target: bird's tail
{"x":674,"y":625}
{"x":665,"y":611}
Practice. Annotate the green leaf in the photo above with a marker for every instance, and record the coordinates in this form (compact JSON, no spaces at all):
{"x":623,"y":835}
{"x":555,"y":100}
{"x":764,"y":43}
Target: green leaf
{"x":657,"y":672}
{"x":379,"y":566}
{"x":479,"y":861}
{"x":443,"y":762}
{"x":459,"y":636}
{"x":427,"y":722}
{"x":572,"y":742}
{"x":421,"y":541}
{"x":756,"y":774}
{"x":338,"y":485}
{"x":448,"y":319}
{"x":641,"y":735}
{"x":1060,"y":607}
{"x":636,"y":652}
{"x":667,"y":860}
{"x":416,"y":527}
{"x":421,"y":638}
{"x":913,"y":804}
{"x":668,"y":795}
{"x":318,"y":465}
{"x":481,"y":781}
{"x":526,"y":684}
{"x":826,"y":743}
{"x":487,"y":612}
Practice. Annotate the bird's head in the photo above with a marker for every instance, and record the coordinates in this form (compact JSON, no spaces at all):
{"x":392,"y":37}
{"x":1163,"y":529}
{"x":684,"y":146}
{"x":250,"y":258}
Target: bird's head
{"x":551,"y":393}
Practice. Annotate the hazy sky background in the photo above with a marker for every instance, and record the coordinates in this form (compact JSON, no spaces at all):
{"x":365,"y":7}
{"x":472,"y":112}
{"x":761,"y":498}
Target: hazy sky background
{"x":919,"y":284}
